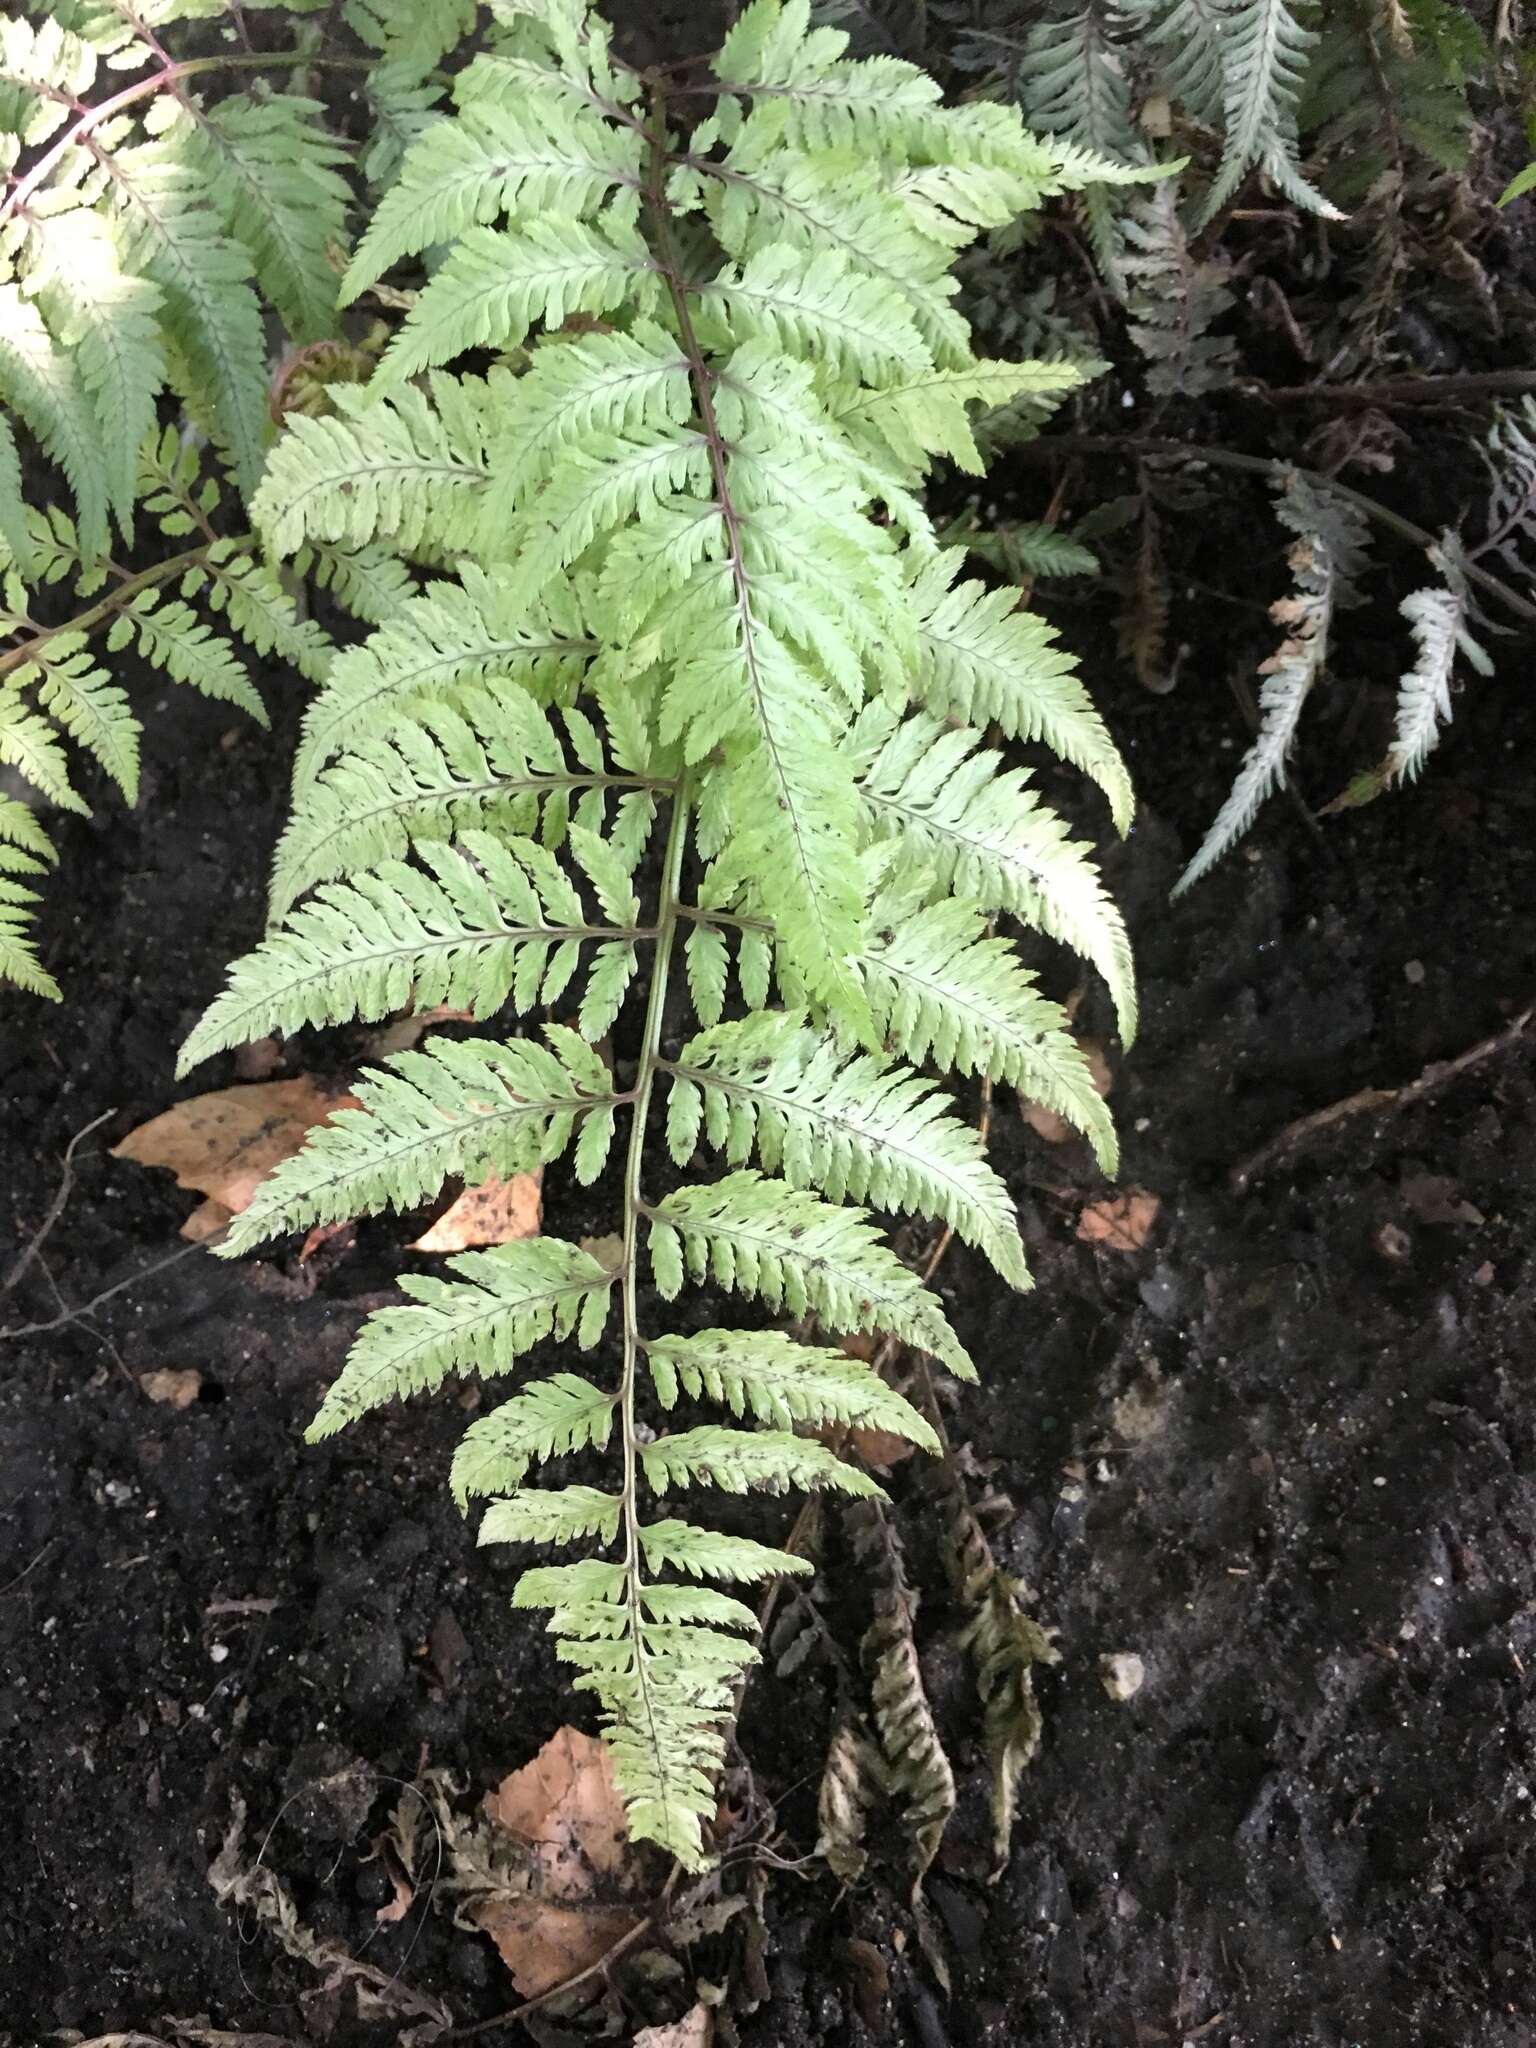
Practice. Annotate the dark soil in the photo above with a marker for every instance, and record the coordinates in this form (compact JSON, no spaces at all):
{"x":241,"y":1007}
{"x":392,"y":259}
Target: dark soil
{"x":1285,"y":1454}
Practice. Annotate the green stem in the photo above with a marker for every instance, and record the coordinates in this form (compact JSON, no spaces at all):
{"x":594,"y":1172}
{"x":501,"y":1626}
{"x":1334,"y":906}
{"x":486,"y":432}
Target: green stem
{"x":645,"y":1078}
{"x":87,"y":621}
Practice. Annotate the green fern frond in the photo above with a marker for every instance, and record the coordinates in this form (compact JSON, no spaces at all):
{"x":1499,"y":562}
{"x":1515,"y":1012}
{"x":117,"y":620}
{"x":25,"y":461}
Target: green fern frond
{"x":546,"y":1420}
{"x":469,"y":1110}
{"x":710,"y":1554}
{"x":740,"y":1459}
{"x":822,"y":100}
{"x":90,"y":707}
{"x":477,"y":630}
{"x":486,"y":922}
{"x":769,"y":1375}
{"x":479,"y":760}
{"x":46,"y":388}
{"x":393,"y":470}
{"x":988,"y":663}
{"x":943,"y":989}
{"x":525,"y":155}
{"x":504,"y":1302}
{"x":271,"y":169}
{"x":938,"y":792}
{"x":552,"y":1515}
{"x":1264,"y":56}
{"x":849,"y":1126}
{"x":760,"y":1237}
{"x":29,"y":743}
{"x":496,"y":283}
{"x":25,"y":849}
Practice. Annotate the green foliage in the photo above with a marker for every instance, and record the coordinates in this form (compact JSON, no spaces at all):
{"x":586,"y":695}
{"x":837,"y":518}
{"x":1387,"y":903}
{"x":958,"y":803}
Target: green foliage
{"x":683,"y":571}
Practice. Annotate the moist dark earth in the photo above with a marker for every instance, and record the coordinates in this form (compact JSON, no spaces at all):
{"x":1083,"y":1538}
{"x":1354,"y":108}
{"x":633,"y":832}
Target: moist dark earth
{"x":1284,"y":1454}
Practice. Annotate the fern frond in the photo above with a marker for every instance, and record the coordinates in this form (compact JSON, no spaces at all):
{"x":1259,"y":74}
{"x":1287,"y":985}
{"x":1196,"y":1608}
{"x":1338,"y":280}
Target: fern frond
{"x":213,"y":316}
{"x":855,"y":1127}
{"x":477,"y":630}
{"x":741,"y":1459}
{"x":546,"y":1420}
{"x":1173,"y":302}
{"x":481,"y":760}
{"x":1438,"y":620}
{"x":482,"y":924}
{"x":943,"y":990}
{"x":25,"y":849}
{"x":760,"y":1237}
{"x":558,"y":1515}
{"x":469,"y":1110}
{"x":1325,"y":561}
{"x":29,"y":743}
{"x":504,"y":1302}
{"x":271,"y":170}
{"x":827,"y":309}
{"x":172,"y":636}
{"x":1264,"y":54}
{"x":822,"y":101}
{"x":939,"y":793}
{"x":496,"y":283}
{"x":710,"y":1554}
{"x":91,"y":708}
{"x":988,"y":663}
{"x":769,"y":1375}
{"x":526,"y":155}
{"x":392,"y":470}
{"x":45,"y":387}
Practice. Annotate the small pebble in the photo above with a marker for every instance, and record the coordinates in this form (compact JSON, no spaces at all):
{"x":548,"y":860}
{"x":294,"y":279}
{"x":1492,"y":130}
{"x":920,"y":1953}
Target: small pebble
{"x":217,"y":1652}
{"x":1122,"y":1675}
{"x":1413,"y":972}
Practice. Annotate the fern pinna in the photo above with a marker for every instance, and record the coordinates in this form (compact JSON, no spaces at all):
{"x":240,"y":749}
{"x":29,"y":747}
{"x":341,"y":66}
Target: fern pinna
{"x":693,"y":593}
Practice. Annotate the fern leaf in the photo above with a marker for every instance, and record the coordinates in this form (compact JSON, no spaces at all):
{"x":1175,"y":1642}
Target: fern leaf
{"x":917,"y":1768}
{"x":740,"y":1460}
{"x":1438,"y":619}
{"x":710,"y":1554}
{"x":855,"y":1126}
{"x":88,"y":704}
{"x":760,"y":1237}
{"x":170,"y":236}
{"x":29,"y":744}
{"x":109,"y":321}
{"x":548,"y":1419}
{"x":19,"y":962}
{"x":822,"y":101}
{"x":925,"y":415}
{"x":1324,"y":561}
{"x":769,"y":1375}
{"x":495,"y":284}
{"x":44,"y":385}
{"x":172,"y":636}
{"x":376,"y":471}
{"x":943,"y":990}
{"x":504,"y":1302}
{"x":247,"y":591}
{"x":562,"y":1515}
{"x":991,"y":664}
{"x":14,"y":532}
{"x":477,"y":630}
{"x":825,"y":309}
{"x":1264,"y":52}
{"x":529,"y":156}
{"x":480,"y":760}
{"x":482,"y":924}
{"x":941,"y":794}
{"x":271,"y":166}
{"x":469,"y":1110}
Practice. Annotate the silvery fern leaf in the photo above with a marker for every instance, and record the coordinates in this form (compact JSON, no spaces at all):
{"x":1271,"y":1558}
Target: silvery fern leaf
{"x":1438,"y":620}
{"x":1263,"y":50}
{"x":545,"y":1420}
{"x":768,"y":1375}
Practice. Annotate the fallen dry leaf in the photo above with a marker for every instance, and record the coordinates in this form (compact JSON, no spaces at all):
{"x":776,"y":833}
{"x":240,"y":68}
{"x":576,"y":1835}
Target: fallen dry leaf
{"x":226,"y":1143}
{"x":565,"y":1811}
{"x":608,"y":1251}
{"x":401,"y":1033}
{"x":1046,"y":1123}
{"x":259,"y":1060}
{"x":696,"y":2029}
{"x":496,"y":1212}
{"x":1121,"y":1223}
{"x":405,"y":1897}
{"x":325,"y":1233}
{"x":176,"y":1388}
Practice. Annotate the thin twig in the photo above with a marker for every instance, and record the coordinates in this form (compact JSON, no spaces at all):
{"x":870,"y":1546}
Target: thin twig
{"x":1390,"y":391}
{"x":1437,"y":1075}
{"x":75,"y":1315}
{"x":55,"y":1208}
{"x":26,"y":1573}
{"x":1266,"y":466}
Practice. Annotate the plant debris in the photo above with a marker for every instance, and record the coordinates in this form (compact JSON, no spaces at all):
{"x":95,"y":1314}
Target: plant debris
{"x":496,"y":1212}
{"x":1120,"y":1223}
{"x":224,"y":1144}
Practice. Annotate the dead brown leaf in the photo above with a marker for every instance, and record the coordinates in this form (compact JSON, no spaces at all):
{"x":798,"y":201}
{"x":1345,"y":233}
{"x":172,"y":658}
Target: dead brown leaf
{"x":696,"y":2029}
{"x":226,"y":1143}
{"x":496,"y":1212}
{"x":259,"y":1060}
{"x":176,"y":1388}
{"x":401,"y":1903}
{"x":401,"y":1033}
{"x":1121,"y":1223}
{"x":565,"y":1811}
